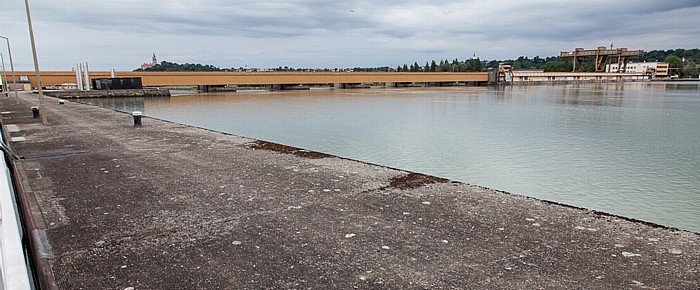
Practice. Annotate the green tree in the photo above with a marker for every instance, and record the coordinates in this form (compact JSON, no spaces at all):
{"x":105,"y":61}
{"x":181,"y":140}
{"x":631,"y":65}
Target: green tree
{"x":170,"y":66}
{"x":691,"y":69}
{"x":474,"y":65}
{"x":433,"y":66}
{"x":405,"y":68}
{"x":517,"y":65}
{"x":675,"y":64}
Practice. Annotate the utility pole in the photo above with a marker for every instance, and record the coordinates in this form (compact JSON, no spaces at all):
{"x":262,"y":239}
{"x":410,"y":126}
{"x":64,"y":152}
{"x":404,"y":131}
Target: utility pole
{"x":12,"y":67}
{"x":36,"y":67}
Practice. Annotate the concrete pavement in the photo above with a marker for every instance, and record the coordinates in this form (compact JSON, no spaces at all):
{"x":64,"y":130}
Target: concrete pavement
{"x":169,"y":206}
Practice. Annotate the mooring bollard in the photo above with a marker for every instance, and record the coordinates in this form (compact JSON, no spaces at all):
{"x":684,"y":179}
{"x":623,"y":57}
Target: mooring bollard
{"x":35,"y":112}
{"x":137,"y":118}
{"x":61,"y":102}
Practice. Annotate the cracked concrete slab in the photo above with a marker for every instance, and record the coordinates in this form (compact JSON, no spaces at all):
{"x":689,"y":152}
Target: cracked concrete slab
{"x":171,"y":206}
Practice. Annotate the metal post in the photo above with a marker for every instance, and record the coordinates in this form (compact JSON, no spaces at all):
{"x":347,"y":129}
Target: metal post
{"x":87,"y":77}
{"x":77,"y":77}
{"x":81,"y":86}
{"x":36,"y":66}
{"x":35,"y":112}
{"x":82,"y":76}
{"x":4,"y":76}
{"x":12,"y":67}
{"x":137,"y":118}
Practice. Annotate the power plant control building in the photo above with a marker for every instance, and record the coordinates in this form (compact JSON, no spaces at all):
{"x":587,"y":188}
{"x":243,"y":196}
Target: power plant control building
{"x":660,"y":69}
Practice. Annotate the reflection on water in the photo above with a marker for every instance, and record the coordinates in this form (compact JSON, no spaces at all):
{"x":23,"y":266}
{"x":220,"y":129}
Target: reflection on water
{"x":692,"y":86}
{"x":630,"y":149}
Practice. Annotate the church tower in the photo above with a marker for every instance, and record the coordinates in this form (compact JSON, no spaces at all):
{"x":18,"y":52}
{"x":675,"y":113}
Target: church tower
{"x":155,"y":60}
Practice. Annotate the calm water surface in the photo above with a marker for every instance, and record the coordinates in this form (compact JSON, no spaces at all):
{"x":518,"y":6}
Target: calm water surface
{"x":629,"y":149}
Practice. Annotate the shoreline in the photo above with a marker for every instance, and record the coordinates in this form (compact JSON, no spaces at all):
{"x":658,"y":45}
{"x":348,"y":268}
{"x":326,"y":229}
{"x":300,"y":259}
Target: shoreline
{"x":286,"y":149}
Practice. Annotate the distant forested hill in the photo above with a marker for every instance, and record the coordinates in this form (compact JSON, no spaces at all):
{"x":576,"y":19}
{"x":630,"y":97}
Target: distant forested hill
{"x":557,"y":64}
{"x":660,"y":55}
{"x":683,"y":62}
{"x":171,"y":66}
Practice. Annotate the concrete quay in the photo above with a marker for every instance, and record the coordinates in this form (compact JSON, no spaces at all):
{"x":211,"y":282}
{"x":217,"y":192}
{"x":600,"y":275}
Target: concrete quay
{"x":169,"y":206}
{"x":74,"y":94}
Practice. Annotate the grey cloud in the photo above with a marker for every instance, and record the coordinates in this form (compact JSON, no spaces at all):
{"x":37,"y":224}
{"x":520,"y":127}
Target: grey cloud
{"x":349,"y":33}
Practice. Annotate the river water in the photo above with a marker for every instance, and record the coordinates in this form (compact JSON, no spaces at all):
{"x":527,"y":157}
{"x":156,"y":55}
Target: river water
{"x":630,"y":149}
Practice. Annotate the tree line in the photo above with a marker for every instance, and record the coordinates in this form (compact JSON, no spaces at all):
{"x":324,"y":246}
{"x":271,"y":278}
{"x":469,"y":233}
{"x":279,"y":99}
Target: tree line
{"x":171,"y":66}
{"x":470,"y":65}
{"x":683,"y":62}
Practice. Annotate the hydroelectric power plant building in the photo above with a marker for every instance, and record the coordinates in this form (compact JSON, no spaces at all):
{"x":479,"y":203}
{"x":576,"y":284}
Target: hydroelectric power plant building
{"x":659,"y":69}
{"x":605,"y":70}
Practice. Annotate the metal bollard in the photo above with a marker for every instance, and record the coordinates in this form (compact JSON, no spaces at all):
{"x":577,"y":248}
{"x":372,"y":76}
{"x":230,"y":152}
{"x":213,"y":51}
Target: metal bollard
{"x":35,"y":112}
{"x":137,"y":118}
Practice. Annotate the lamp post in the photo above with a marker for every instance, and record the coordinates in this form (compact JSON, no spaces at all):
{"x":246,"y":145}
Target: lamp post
{"x":36,"y":67}
{"x":12,"y":67}
{"x":4,"y":75}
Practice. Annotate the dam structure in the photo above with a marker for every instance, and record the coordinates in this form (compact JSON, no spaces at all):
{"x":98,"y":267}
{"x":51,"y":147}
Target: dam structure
{"x":212,"y":81}
{"x":276,"y":79}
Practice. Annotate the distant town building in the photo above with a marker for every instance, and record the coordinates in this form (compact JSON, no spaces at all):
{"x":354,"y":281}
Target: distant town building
{"x":660,"y":69}
{"x":153,"y":63}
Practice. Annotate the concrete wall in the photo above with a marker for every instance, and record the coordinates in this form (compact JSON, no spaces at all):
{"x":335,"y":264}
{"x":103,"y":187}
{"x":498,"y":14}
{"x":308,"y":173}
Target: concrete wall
{"x":264,"y":78}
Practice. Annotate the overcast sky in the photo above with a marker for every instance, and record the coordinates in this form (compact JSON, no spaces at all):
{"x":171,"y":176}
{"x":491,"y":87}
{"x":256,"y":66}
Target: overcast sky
{"x":123,"y":34}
